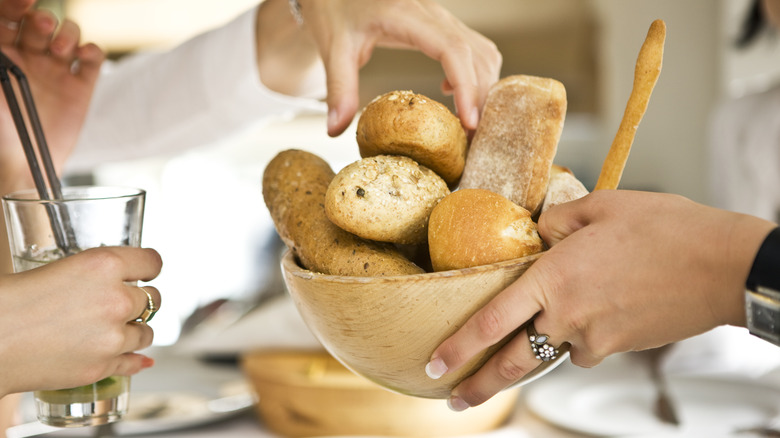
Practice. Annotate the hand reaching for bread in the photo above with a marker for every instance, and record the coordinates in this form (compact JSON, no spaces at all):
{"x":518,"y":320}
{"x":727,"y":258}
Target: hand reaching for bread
{"x":414,"y":150}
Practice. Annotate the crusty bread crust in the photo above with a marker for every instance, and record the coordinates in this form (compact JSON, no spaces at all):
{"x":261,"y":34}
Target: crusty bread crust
{"x":563,"y":187}
{"x":413,"y":125}
{"x":294,"y":185}
{"x":474,"y":227}
{"x":386,"y":198}
{"x":516,"y":140}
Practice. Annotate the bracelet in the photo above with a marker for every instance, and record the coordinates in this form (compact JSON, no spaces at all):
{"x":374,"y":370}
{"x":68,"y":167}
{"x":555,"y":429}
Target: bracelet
{"x":295,"y":10}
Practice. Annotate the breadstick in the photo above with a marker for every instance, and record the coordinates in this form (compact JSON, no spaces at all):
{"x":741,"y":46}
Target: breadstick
{"x":648,"y":68}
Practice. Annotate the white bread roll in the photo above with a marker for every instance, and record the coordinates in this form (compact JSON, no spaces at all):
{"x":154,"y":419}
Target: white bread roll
{"x":563,"y":187}
{"x":516,"y":140}
{"x":474,"y":227}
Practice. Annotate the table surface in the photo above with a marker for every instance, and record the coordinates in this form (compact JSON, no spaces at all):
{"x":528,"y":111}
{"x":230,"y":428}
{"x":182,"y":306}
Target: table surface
{"x":175,"y":372}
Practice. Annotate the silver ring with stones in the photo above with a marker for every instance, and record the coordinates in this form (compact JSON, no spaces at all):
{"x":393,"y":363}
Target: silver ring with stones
{"x":542,"y":350}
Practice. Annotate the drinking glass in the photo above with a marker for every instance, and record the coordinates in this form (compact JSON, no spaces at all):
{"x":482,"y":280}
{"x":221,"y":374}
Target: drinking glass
{"x":89,"y":216}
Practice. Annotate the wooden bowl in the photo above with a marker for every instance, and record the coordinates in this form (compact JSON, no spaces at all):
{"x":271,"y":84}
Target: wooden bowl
{"x":386,"y":328}
{"x":311,"y":394}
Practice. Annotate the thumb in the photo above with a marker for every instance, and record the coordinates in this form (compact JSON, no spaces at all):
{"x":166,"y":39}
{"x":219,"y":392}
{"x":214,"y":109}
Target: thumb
{"x":562,"y":220}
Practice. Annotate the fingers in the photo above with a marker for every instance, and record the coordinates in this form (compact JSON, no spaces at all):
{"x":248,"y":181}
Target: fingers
{"x":64,"y":45}
{"x":140,"y":297}
{"x":11,"y":14}
{"x":89,"y":59}
{"x":37,"y":30}
{"x":563,"y":220}
{"x":342,"y":81}
{"x":510,"y":309}
{"x":128,"y":364}
{"x":129,"y":263}
{"x":507,"y":366}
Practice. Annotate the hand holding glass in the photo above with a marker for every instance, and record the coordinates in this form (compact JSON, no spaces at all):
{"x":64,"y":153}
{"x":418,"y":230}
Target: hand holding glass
{"x":97,"y":216}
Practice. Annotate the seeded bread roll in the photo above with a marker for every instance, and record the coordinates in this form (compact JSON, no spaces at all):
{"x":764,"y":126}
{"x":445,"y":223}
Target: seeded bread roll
{"x":409,"y":124}
{"x":386,"y":198}
{"x":563,"y":187}
{"x":516,"y":140}
{"x":294,"y":185}
{"x":474,"y":227}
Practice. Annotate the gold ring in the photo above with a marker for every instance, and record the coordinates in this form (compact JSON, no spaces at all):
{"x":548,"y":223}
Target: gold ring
{"x":149,"y":311}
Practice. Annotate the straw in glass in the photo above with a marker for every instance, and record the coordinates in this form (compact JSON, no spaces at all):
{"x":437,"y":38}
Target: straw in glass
{"x":58,"y":217}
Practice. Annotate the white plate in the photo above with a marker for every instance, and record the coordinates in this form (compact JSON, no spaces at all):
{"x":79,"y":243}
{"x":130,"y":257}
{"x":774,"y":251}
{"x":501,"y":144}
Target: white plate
{"x":615,"y":404}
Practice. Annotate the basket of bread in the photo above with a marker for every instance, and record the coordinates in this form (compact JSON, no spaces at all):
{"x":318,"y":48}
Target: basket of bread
{"x":390,"y":255}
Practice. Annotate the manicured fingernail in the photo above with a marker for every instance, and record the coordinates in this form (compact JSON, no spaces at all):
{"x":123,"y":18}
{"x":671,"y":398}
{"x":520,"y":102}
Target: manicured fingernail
{"x":457,"y":404}
{"x":147,"y":362}
{"x":435,"y":368}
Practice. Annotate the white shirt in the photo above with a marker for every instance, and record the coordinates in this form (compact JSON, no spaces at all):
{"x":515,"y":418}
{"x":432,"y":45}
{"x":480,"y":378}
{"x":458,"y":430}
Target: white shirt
{"x":745,"y":155}
{"x":168,"y":102}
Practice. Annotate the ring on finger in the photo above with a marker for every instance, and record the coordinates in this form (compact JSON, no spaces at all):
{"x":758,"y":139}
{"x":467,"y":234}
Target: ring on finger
{"x":149,"y":310}
{"x":542,"y":350}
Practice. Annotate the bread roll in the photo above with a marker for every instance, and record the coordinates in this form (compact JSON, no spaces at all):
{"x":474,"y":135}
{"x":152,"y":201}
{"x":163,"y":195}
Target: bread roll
{"x":516,"y":139}
{"x":473,"y":227}
{"x":294,"y":185}
{"x":409,"y":124}
{"x":386,"y":198}
{"x":563,"y":187}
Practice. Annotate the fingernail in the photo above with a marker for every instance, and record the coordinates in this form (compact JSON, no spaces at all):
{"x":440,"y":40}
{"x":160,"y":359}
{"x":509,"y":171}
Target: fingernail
{"x":435,"y":368}
{"x":457,"y":404}
{"x":147,"y":362}
{"x":333,"y":118}
{"x":474,"y":118}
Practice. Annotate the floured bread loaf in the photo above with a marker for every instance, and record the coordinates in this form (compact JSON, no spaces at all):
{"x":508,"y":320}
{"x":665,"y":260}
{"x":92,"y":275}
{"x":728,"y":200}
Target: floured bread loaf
{"x":516,"y":140}
{"x":294,"y":185}
{"x":474,"y":227}
{"x":387,"y":198}
{"x":409,"y":124}
{"x":563,"y":187}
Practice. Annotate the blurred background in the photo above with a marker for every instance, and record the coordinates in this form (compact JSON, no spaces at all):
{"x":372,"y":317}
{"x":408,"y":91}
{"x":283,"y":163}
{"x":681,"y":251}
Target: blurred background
{"x":589,"y":45}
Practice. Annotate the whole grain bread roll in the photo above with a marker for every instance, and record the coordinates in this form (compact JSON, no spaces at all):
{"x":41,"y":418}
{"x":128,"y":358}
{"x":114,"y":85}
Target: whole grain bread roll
{"x":563,"y":187}
{"x":386,"y":198}
{"x":409,"y":124}
{"x":516,"y":139}
{"x":474,"y":227}
{"x":294,"y":185}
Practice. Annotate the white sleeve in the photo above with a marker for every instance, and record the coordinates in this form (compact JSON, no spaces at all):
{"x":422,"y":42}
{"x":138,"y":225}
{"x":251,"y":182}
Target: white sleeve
{"x":162,"y":103}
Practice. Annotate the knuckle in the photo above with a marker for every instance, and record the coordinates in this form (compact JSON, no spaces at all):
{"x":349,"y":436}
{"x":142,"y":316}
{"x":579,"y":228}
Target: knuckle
{"x":473,"y":395}
{"x":113,"y":342}
{"x":509,"y":370}
{"x":104,"y":260}
{"x":488,"y":324}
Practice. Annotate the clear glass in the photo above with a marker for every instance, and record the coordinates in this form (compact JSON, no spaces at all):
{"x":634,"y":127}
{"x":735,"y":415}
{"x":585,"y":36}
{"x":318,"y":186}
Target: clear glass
{"x":98,"y":216}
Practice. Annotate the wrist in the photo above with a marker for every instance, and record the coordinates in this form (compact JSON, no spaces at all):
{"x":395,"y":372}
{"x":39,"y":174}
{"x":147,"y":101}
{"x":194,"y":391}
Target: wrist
{"x":729,"y":277}
{"x":286,"y":55}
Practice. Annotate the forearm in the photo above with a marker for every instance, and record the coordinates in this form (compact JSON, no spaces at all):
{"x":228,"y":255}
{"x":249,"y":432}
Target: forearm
{"x":199,"y":93}
{"x":287,"y":57}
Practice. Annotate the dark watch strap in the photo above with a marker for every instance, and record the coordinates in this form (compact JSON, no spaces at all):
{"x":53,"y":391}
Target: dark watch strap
{"x":762,"y":291}
{"x":766,"y":266}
